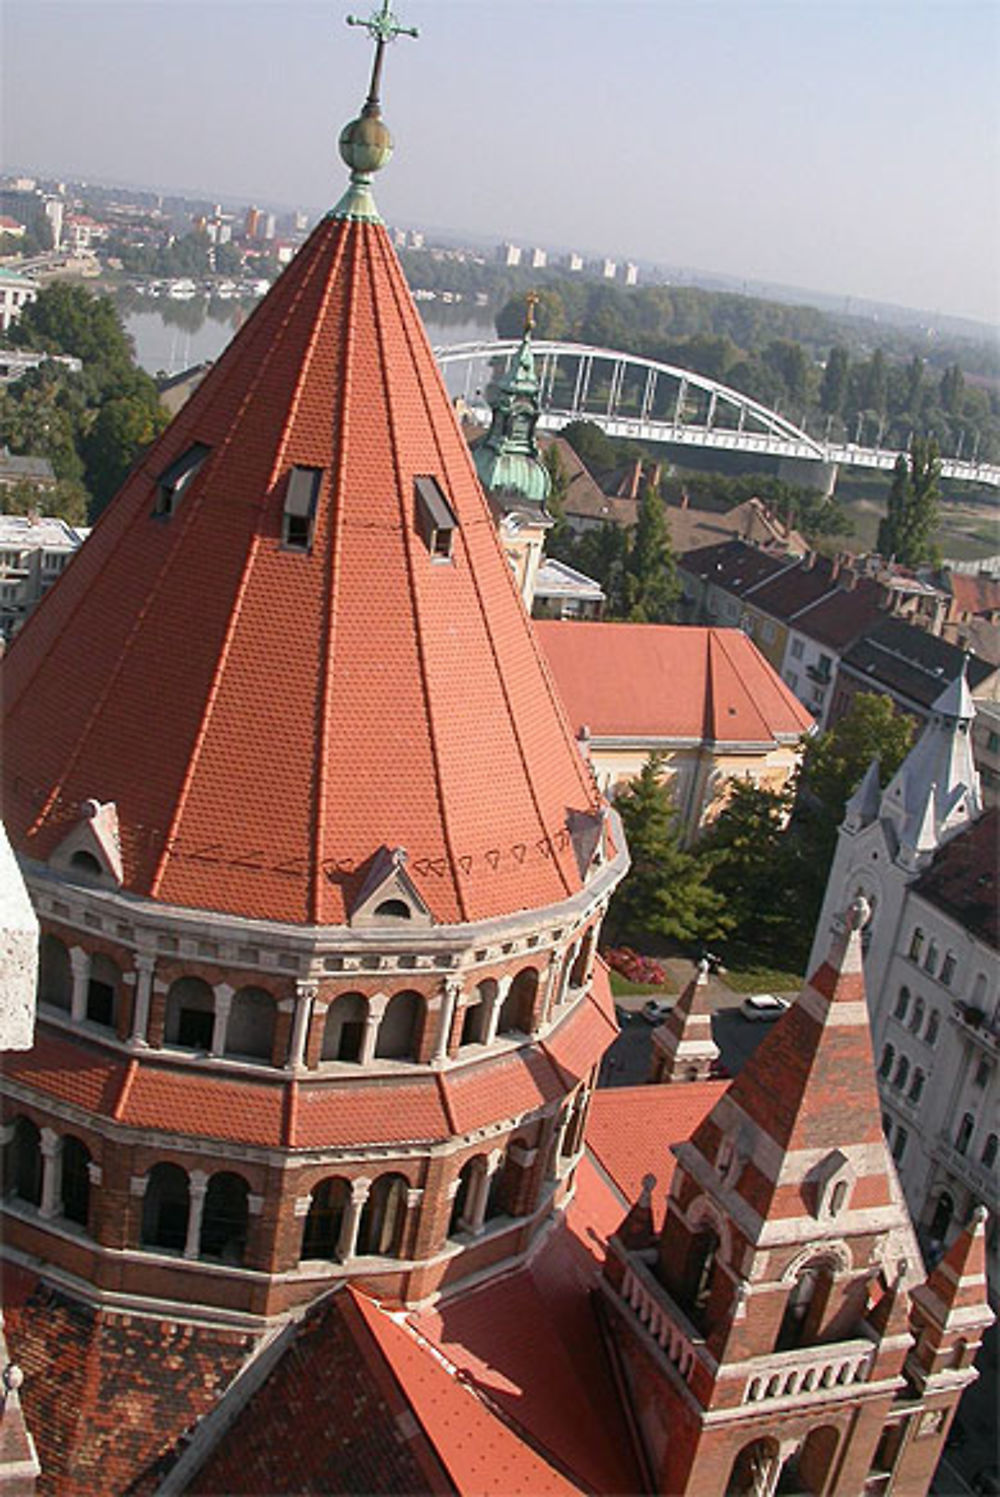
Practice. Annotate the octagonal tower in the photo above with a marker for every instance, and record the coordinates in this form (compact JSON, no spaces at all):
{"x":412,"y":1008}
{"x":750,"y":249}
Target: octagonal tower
{"x":318,"y":865}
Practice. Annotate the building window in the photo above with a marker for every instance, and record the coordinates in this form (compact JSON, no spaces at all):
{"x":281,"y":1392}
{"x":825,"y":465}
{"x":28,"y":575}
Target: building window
{"x":916,"y":1086}
{"x":792,"y":678}
{"x":916,"y":944}
{"x":983,"y":1073}
{"x":225,"y":1218}
{"x":74,"y":1184}
{"x":171,"y":484}
{"x":383,"y":1218}
{"x":343,"y":1032}
{"x":321,"y":1234}
{"x":899,"y":1147}
{"x":948,"y":969}
{"x":885,"y":1064}
{"x":299,"y":516}
{"x":902,"y":1003}
{"x":964,"y":1134}
{"x":931,"y":960}
{"x":436,"y":520}
{"x":102,"y":991}
{"x":22,"y":1165}
{"x":400,"y":1027}
{"x":933,"y":1023}
{"x":902,"y":1072}
{"x":990,"y":1151}
{"x":797,"y":648}
{"x":917,"y":1017}
{"x":165,"y":1208}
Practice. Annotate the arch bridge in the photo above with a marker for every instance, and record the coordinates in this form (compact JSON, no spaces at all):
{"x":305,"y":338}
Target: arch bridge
{"x":648,"y":401}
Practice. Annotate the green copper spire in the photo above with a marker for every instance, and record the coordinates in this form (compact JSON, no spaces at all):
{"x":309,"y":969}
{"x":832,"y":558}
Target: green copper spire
{"x":365,"y":143}
{"x":507,"y":459}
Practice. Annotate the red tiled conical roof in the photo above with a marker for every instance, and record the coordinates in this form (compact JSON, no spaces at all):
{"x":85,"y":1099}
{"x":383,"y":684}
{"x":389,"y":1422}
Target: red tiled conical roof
{"x":265,"y":720}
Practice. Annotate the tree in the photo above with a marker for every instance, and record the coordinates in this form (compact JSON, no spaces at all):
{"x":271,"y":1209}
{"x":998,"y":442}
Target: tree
{"x":122,"y":429}
{"x":908,"y":529}
{"x":665,"y":892}
{"x":652,"y":585}
{"x":751,"y":862}
{"x":65,"y":499}
{"x":69,"y":319}
{"x":834,"y":762}
{"x":833,"y":389}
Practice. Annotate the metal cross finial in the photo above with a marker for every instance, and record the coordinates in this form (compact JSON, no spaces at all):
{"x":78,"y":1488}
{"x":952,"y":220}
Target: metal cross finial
{"x":382,"y":26}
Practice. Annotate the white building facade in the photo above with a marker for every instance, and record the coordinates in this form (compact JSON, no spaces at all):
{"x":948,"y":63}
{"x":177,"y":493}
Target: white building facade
{"x":924,"y":855}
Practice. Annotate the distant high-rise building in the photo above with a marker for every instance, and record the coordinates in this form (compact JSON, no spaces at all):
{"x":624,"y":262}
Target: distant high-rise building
{"x":631,"y":274}
{"x":270,"y":226}
{"x":574,"y":262}
{"x":609,"y":269}
{"x":509,"y":254}
{"x":54,"y":208}
{"x":539,"y":259}
{"x":251,"y":224}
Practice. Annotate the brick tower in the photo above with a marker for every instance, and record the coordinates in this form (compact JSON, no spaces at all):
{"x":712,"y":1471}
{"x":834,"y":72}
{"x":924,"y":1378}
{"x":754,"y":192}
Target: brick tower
{"x":763,"y":1335}
{"x":318,"y":865}
{"x":683,"y":1047}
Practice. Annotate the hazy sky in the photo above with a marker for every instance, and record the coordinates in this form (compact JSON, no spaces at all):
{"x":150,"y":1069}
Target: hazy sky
{"x":848,"y":147}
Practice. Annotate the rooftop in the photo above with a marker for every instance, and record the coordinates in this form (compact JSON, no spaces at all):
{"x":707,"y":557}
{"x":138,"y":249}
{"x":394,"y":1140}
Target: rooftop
{"x":909,"y":661}
{"x":962,"y":879}
{"x":671,"y":682}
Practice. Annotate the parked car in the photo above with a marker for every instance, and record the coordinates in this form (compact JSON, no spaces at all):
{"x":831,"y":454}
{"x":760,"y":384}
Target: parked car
{"x":656,"y":1010}
{"x":761,"y":1006}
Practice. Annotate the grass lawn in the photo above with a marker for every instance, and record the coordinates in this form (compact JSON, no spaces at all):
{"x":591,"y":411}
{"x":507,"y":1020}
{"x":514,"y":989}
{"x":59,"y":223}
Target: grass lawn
{"x":621,"y":987}
{"x":761,"y":980}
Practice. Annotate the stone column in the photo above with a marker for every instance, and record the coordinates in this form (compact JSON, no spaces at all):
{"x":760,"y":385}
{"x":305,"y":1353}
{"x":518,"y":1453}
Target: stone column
{"x":490,"y":1030}
{"x":197,"y":1188}
{"x":451,"y":991}
{"x":80,"y":964}
{"x":376,"y":1008}
{"x":351,"y":1220}
{"x":145,"y":966}
{"x":475,"y":1215}
{"x":223,"y":1003}
{"x":305,"y":997}
{"x":51,"y":1172}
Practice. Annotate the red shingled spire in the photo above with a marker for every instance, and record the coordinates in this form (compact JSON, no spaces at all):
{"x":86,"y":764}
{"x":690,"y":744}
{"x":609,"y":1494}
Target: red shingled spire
{"x":959,"y":1280}
{"x":265,"y":715}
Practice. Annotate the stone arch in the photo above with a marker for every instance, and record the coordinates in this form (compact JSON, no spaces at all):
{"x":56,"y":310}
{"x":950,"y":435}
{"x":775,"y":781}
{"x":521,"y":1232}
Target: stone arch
{"x":815,"y":1458}
{"x":103,"y":991}
{"x":476,"y":1019}
{"x":806,"y":1302}
{"x":400,"y":1027}
{"x":190,"y":1014}
{"x":324,"y":1220}
{"x":74,"y":1181}
{"x":470,"y":1177}
{"x":836,"y":1252}
{"x":22,"y":1165}
{"x":225,"y":1218}
{"x":703,"y":1214}
{"x":344,"y":1027}
{"x":518,"y":1007}
{"x":581,"y":961}
{"x":754,"y":1469}
{"x":383,"y":1218}
{"x":55,"y":973}
{"x":166,"y":1208}
{"x":250,"y":1026}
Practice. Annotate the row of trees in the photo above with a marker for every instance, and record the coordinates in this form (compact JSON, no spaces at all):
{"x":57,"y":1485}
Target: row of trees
{"x":92,"y":425}
{"x":792,"y":359}
{"x":754,"y":882}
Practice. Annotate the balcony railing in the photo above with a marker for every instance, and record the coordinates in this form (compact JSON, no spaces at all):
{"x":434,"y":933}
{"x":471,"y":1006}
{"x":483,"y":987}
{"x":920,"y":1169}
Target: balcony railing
{"x":664,"y":1321}
{"x":787,"y":1374}
{"x":974,"y":1024}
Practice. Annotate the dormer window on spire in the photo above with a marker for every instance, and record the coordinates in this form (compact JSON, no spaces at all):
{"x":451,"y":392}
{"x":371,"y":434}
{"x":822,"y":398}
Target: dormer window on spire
{"x":299,"y":518}
{"x":436,"y":519}
{"x":174,"y":480}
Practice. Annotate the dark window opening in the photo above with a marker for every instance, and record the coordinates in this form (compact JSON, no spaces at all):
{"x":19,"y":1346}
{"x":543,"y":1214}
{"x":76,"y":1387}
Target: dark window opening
{"x":174,"y":480}
{"x":321,"y":1234}
{"x":393,"y":909}
{"x":436,"y":520}
{"x":75,"y":1186}
{"x":225,"y":1218}
{"x":165,"y":1208}
{"x":299,"y":516}
{"x":351,"y":1034}
{"x":85,"y":862}
{"x":100,"y":1003}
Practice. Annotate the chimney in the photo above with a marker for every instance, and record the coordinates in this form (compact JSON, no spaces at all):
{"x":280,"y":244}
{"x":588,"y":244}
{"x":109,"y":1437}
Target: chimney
{"x":835,"y":567}
{"x":809,"y":561}
{"x":633,"y":492}
{"x":685,"y":500}
{"x":657,"y":475}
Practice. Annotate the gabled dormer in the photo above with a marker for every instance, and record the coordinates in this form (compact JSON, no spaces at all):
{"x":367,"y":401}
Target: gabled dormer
{"x":92,"y":850}
{"x":388,"y":896}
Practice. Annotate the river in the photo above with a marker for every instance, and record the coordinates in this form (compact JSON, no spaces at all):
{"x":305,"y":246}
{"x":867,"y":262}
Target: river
{"x":171,"y":336}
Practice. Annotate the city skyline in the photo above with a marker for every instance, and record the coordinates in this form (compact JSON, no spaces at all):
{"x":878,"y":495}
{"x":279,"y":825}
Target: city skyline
{"x":839,"y":148}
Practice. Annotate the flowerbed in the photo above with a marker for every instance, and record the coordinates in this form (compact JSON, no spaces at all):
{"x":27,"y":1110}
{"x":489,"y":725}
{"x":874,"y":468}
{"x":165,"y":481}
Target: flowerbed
{"x":637,"y":968}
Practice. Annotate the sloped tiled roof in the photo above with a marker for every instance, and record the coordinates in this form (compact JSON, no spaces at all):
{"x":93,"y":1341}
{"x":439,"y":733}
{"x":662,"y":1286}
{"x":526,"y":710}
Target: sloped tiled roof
{"x":733,"y":565}
{"x":975,"y":595}
{"x":907,"y":660}
{"x":671,"y":682}
{"x":311,"y":707}
{"x":631,"y":1128}
{"x":108,"y":1397}
{"x":962,"y":879}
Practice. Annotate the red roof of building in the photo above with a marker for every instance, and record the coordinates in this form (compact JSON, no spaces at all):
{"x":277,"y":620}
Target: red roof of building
{"x":974,"y":594}
{"x":267,"y":719}
{"x":631,"y":1128}
{"x":669,"y":681}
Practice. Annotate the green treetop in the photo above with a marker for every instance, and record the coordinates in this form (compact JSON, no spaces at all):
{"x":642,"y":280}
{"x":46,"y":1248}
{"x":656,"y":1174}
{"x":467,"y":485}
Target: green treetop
{"x":652,"y":585}
{"x":908,"y":529}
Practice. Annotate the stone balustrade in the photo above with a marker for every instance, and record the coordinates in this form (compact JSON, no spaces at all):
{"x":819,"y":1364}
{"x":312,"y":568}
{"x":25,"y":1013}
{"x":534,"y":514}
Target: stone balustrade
{"x":655,"y":1310}
{"x":807,"y":1369}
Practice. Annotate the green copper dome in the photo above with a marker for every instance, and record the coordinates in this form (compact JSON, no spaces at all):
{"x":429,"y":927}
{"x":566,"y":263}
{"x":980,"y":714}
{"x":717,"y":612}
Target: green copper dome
{"x":507,"y":459}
